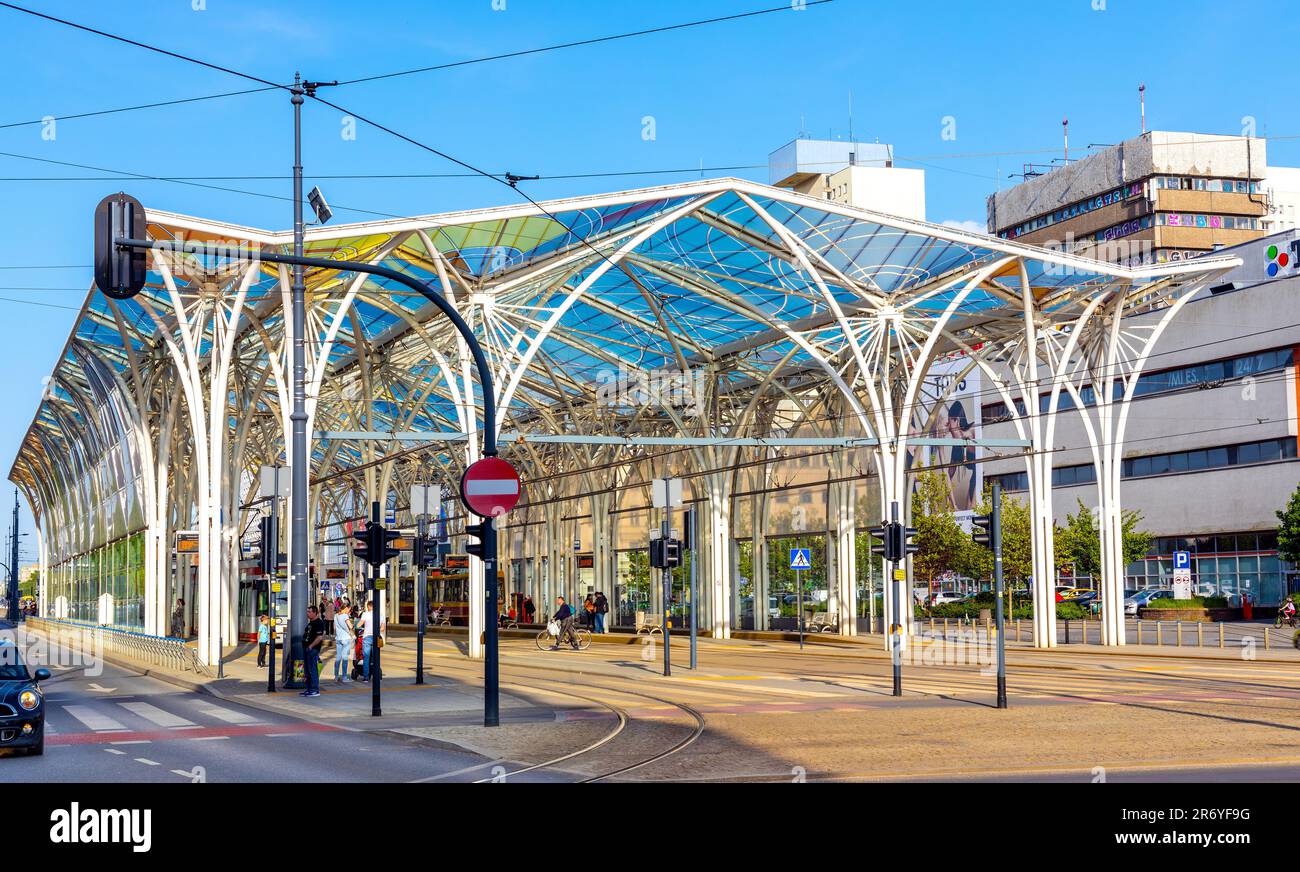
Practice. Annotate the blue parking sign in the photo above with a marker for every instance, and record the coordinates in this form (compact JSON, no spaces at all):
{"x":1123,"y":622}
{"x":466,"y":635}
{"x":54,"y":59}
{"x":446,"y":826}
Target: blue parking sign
{"x":1182,"y":560}
{"x":800,"y":558}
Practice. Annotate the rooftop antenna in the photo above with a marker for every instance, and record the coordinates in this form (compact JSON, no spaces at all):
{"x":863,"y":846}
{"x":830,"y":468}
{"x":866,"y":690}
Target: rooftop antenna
{"x":851,"y":115}
{"x":1065,"y":128}
{"x":803,"y":130}
{"x":1142,"y":104}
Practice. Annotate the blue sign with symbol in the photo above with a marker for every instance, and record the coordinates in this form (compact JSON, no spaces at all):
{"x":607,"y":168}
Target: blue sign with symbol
{"x":800,"y":558}
{"x":1182,"y":560}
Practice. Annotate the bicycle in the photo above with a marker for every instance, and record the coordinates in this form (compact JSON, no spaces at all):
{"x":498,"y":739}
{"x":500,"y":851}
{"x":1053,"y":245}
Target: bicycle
{"x":546,"y":639}
{"x":1282,"y":620}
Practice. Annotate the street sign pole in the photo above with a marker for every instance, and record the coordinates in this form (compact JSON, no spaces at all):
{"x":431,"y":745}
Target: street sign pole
{"x":272,"y":580}
{"x":995,"y":529}
{"x":376,"y":708}
{"x":695,"y":604}
{"x":421,"y":525}
{"x":798,"y":618}
{"x":896,"y":629}
{"x":668,"y":582}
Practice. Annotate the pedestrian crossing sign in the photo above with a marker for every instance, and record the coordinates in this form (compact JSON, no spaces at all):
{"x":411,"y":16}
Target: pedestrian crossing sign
{"x":800,"y":558}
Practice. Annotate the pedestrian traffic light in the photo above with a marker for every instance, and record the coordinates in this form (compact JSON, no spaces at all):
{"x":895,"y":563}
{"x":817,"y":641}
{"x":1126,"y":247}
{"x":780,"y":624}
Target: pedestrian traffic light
{"x":270,"y":529}
{"x":363,"y":543}
{"x":477,"y":531}
{"x":665,"y":553}
{"x":881,"y":537}
{"x":119,"y":273}
{"x":983,"y":530}
{"x":377,"y":544}
{"x":909,"y":547}
{"x":388,"y":547}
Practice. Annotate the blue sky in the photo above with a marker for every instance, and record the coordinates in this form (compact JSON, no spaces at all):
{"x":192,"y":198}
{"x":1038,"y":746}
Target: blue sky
{"x":721,"y":95}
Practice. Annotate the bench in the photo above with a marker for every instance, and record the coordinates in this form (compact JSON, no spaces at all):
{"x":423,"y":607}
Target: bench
{"x":649,"y":623}
{"x":824,"y":622}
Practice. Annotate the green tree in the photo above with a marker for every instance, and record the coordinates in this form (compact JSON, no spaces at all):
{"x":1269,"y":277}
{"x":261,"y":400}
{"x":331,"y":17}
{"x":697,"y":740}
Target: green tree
{"x":1288,"y":531}
{"x":1079,"y":541}
{"x":1017,"y":546}
{"x":943,"y":544}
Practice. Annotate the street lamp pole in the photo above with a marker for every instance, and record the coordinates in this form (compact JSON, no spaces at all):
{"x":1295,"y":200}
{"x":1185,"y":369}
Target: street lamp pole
{"x":298,"y":440}
{"x":299,"y":460}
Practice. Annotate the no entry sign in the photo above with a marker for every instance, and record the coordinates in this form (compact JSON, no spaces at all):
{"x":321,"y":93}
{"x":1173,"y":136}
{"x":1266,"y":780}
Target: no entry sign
{"x":490,"y":487}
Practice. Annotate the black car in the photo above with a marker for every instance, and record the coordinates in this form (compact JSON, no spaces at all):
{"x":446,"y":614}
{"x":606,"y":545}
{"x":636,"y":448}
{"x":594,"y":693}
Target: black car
{"x":22,"y":705}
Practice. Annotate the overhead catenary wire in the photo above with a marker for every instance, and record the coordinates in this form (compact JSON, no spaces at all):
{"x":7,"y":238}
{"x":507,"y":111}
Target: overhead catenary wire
{"x":270,"y":86}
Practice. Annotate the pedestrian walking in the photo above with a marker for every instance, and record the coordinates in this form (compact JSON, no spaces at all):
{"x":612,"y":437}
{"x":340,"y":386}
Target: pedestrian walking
{"x":589,"y":611}
{"x":602,"y":609}
{"x":343,"y":643}
{"x":263,"y":638}
{"x":312,"y":639}
{"x":530,"y":609}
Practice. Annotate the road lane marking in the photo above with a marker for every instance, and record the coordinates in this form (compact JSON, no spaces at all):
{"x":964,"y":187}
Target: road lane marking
{"x":146,"y":761}
{"x":230,"y":716}
{"x":93,"y":720}
{"x":156,"y":715}
{"x":132,"y":742}
{"x":208,"y":738}
{"x":115,"y":751}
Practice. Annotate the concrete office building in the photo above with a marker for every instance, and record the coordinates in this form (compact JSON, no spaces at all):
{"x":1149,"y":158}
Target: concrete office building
{"x":859,"y":174}
{"x":1210,"y":451}
{"x":1162,"y":196}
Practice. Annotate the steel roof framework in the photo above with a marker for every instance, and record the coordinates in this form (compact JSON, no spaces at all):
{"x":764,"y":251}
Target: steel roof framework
{"x":769,"y":313}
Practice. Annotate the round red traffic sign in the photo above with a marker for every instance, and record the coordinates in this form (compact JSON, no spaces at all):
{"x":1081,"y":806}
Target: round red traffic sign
{"x":490,"y":487}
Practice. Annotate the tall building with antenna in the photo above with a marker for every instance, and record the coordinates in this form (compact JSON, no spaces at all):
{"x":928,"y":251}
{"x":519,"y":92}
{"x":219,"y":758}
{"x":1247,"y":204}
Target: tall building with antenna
{"x":1157,"y":197}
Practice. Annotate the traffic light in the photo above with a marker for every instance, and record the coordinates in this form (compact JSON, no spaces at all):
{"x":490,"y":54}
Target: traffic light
{"x":388,"y":547}
{"x":907,"y":546}
{"x":270,"y":529}
{"x":665,"y":553}
{"x":119,"y":273}
{"x":377,"y":544}
{"x":881,"y":535}
{"x":363,"y":543}
{"x":983,"y":530}
{"x":476,"y":531}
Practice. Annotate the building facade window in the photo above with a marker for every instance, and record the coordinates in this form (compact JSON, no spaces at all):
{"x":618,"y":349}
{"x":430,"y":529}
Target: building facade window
{"x":1245,"y":454}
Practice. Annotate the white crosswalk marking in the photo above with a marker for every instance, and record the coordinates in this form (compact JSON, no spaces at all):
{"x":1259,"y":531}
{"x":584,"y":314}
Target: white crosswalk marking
{"x":156,"y":715}
{"x":230,"y":716}
{"x":93,"y":719}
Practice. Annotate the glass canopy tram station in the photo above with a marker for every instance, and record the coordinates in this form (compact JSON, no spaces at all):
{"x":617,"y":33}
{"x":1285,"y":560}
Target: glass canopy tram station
{"x":792,"y":360}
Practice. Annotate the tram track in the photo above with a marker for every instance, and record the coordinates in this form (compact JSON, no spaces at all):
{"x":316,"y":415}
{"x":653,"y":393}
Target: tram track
{"x":563,"y":687}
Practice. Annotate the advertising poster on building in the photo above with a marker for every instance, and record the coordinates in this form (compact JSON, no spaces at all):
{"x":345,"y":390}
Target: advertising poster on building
{"x":948,"y":406}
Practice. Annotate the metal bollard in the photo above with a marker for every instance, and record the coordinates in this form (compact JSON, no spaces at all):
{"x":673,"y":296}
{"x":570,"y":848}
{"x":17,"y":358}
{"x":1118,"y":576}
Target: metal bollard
{"x":1159,"y":635}
{"x":1067,"y":631}
{"x":1220,"y":634}
{"x":1200,"y":634}
{"x":1017,"y":629}
{"x":1266,"y":638}
{"x":1180,"y":634}
{"x":1137,"y":625}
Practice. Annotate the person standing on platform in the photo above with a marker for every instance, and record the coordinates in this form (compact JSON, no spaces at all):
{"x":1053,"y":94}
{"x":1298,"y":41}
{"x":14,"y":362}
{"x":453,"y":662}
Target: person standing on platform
{"x":263,"y":639}
{"x":312,"y":639}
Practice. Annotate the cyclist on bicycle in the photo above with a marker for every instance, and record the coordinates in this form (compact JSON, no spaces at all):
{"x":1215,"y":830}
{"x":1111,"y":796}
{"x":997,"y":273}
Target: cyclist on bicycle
{"x":564,"y":617}
{"x":1288,"y":610}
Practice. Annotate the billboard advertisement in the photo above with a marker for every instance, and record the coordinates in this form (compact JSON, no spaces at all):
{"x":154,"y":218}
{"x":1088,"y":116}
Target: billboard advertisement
{"x":948,"y":406}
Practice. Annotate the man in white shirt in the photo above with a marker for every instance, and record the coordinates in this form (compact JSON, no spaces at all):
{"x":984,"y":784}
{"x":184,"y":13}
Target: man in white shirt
{"x":368,"y":622}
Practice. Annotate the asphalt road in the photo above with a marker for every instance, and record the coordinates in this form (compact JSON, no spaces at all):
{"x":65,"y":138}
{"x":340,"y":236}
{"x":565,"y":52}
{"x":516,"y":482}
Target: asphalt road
{"x":120,"y":726}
